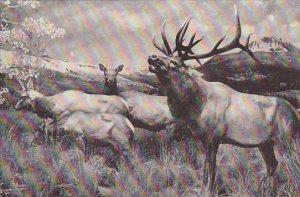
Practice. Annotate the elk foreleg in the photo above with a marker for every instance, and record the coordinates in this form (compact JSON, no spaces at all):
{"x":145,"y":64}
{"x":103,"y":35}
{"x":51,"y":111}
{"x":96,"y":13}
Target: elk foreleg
{"x":132,"y":165}
{"x":79,"y":141}
{"x":125,"y":151}
{"x":210,"y":164}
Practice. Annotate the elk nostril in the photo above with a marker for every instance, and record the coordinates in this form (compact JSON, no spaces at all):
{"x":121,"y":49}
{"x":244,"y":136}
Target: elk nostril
{"x":153,"y":57}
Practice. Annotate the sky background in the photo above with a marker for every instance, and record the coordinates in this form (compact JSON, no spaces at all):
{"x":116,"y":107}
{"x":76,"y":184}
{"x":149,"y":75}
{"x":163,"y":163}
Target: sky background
{"x":121,"y":32}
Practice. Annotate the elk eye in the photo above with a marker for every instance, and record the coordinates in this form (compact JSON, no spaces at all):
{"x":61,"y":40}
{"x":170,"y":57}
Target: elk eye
{"x":174,"y":63}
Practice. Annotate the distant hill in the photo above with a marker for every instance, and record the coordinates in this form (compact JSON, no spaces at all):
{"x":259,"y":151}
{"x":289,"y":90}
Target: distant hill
{"x":268,"y":44}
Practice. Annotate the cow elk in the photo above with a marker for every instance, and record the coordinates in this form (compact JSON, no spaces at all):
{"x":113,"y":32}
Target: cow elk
{"x":100,"y":129}
{"x":155,"y":123}
{"x":110,"y":79}
{"x":61,"y":104}
{"x":217,"y":114}
{"x":148,"y":111}
{"x":69,"y":101}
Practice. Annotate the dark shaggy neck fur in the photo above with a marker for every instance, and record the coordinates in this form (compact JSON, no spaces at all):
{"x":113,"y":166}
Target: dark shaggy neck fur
{"x":186,"y":95}
{"x":43,"y":108}
{"x":111,"y":90}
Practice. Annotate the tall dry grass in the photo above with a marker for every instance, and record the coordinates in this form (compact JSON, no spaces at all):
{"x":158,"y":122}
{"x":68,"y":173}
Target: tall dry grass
{"x":52,"y":169}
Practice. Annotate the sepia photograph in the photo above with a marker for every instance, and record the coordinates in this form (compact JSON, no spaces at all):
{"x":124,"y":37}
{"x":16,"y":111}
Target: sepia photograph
{"x":149,"y":98}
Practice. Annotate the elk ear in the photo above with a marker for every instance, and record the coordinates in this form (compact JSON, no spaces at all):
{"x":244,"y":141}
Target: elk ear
{"x":102,"y":67}
{"x":120,"y":68}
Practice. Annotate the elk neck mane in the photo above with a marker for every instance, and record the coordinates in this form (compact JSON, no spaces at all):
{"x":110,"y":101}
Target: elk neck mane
{"x":111,"y":90}
{"x":43,"y":108}
{"x":186,"y":93}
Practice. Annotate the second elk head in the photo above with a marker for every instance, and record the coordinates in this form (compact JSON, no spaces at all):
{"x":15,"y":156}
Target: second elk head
{"x":110,"y":79}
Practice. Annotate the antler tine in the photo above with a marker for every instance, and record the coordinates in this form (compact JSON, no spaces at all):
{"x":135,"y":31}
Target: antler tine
{"x":158,"y":47}
{"x":248,"y":40}
{"x":235,"y":43}
{"x":218,"y":43}
{"x":185,"y":28}
{"x":192,"y":44}
{"x":192,"y":38}
{"x":197,"y":41}
{"x":166,"y":43}
{"x":179,"y":36}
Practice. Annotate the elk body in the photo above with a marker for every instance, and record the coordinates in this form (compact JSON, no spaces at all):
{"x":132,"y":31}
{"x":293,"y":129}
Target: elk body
{"x":148,"y":111}
{"x":217,"y":114}
{"x":110,"y":79}
{"x":100,"y":129}
{"x":154,"y":122}
{"x":69,"y":101}
{"x":293,"y":96}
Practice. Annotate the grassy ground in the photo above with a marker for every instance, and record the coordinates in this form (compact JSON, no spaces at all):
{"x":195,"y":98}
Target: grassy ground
{"x":58,"y":169}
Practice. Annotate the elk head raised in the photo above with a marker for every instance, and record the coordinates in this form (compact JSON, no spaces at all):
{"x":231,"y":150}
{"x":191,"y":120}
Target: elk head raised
{"x":161,"y":65}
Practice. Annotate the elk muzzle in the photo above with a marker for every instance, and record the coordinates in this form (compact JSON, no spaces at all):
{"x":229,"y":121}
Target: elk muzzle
{"x":154,"y":63}
{"x":23,"y":103}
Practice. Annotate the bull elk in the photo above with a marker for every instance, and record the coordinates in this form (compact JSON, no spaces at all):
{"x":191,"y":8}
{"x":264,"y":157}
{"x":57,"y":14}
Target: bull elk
{"x":110,"y":79}
{"x":293,"y":96}
{"x":217,"y":114}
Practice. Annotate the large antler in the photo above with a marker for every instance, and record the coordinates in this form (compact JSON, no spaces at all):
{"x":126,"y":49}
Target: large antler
{"x":165,"y":49}
{"x":180,"y":39}
{"x":188,"y":53}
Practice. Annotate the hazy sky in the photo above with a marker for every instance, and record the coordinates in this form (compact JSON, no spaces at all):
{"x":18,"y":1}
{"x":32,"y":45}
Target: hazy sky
{"x":120,"y":32}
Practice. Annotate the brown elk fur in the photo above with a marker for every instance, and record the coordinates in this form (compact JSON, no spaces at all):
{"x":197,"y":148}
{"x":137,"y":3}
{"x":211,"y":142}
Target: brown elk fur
{"x":217,"y":114}
{"x":113,"y":129}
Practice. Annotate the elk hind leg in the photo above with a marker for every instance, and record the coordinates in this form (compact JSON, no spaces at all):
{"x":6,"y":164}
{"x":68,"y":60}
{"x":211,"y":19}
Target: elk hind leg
{"x":79,"y":141}
{"x":267,"y":152}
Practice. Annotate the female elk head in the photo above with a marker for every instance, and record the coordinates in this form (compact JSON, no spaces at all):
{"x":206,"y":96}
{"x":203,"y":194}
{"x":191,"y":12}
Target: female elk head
{"x":27,"y":100}
{"x":110,"y":79}
{"x":27,"y":96}
{"x":110,"y":74}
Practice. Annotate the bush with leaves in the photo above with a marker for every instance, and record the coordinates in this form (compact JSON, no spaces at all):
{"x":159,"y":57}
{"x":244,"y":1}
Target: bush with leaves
{"x":25,"y":38}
